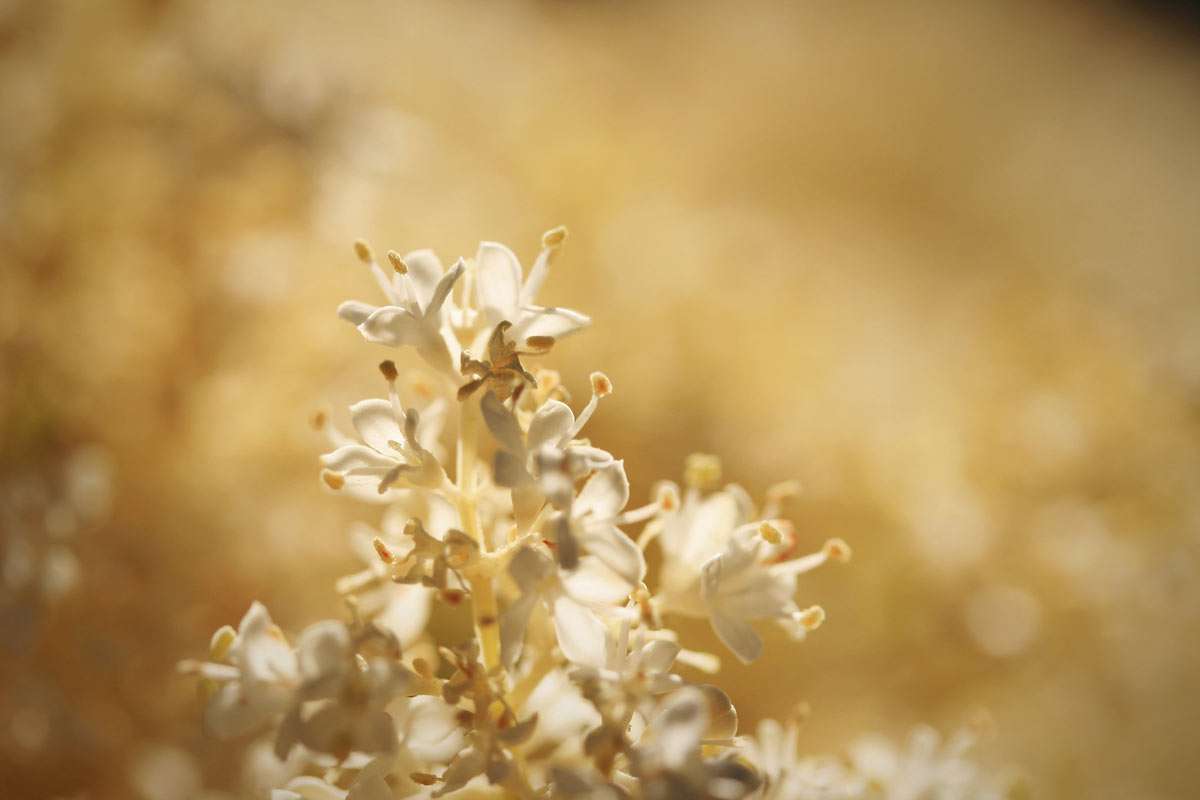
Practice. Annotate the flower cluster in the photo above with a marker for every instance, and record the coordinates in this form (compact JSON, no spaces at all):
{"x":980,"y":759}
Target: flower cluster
{"x":494,"y":501}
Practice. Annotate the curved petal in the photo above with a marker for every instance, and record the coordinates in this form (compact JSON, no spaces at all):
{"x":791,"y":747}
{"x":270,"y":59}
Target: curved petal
{"x":616,"y":551}
{"x":393,"y":326}
{"x":737,"y":635}
{"x":323,"y":651}
{"x":406,"y":612}
{"x":497,"y":282}
{"x":550,"y":423}
{"x":424,"y":270}
{"x":658,"y":655}
{"x":355,"y":311}
{"x":605,"y":493}
{"x":580,"y":632}
{"x":594,"y":583}
{"x":553,"y":322}
{"x":356,"y":456}
{"x":376,"y":423}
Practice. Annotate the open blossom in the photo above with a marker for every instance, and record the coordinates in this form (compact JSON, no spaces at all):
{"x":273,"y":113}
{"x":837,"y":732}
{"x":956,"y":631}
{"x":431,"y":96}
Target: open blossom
{"x":722,"y":564}
{"x":500,"y":513}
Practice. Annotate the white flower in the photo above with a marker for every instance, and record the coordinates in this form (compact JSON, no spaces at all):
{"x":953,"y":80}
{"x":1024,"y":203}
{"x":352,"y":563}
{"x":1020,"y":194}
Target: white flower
{"x":389,"y":450}
{"x":502,"y":295}
{"x":719,"y":565}
{"x":255,"y":674}
{"x":414,"y":315}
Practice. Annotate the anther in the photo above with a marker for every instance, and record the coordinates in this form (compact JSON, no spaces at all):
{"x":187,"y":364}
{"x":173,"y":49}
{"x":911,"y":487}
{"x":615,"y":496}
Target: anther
{"x":838,"y":550}
{"x":811,"y":617}
{"x":388,"y":368}
{"x":702,"y":471}
{"x":397,"y":262}
{"x":383,"y":551}
{"x":423,"y":778}
{"x":333,"y":480}
{"x":770,"y":533}
{"x":536,"y":345}
{"x":668,"y":497}
{"x":363,"y":251}
{"x":601,"y":385}
{"x":318,"y":420}
{"x":554,"y":237}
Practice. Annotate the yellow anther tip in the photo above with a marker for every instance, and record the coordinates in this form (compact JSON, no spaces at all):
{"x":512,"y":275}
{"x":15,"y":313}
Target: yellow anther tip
{"x":838,"y":550}
{"x":601,"y":385}
{"x":333,"y":480}
{"x":363,"y":251}
{"x":554,"y":237}
{"x":770,"y":533}
{"x":811,"y":618}
{"x":397,"y":262}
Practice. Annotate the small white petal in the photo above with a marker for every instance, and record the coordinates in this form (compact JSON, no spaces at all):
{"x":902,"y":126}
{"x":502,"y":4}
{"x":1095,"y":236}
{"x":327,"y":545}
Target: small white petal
{"x":679,"y":726}
{"x":556,"y":323}
{"x":580,"y":632}
{"x":503,"y":425}
{"x":393,"y":326}
{"x":424,"y":270}
{"x":323,"y":651}
{"x":357,"y":457}
{"x":497,"y":282}
{"x":310,"y":788}
{"x":605,"y":493}
{"x":658,"y":655}
{"x":355,"y":311}
{"x":376,"y":423}
{"x":549,"y":425}
{"x":737,"y":635}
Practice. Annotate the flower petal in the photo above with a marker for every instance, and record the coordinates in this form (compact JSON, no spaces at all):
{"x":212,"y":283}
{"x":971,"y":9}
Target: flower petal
{"x":376,"y":423}
{"x":553,"y":322}
{"x":323,"y":652}
{"x":356,"y":457}
{"x":604,"y":494}
{"x":580,"y":632}
{"x":550,"y":423}
{"x":737,"y":635}
{"x":355,"y":311}
{"x":393,"y":326}
{"x":658,"y":655}
{"x":424,"y":270}
{"x":497,"y":282}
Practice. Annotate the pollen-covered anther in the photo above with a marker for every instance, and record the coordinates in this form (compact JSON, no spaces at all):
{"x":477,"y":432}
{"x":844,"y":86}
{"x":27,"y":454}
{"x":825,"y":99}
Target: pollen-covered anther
{"x":388,"y":369}
{"x":554,"y":237}
{"x":838,"y":550}
{"x":601,"y":385}
{"x":397,"y":262}
{"x":668,"y":498}
{"x":770,"y":533}
{"x":452,"y":596}
{"x":702,"y":471}
{"x":332,"y":479}
{"x":811,"y":617}
{"x":424,"y":778}
{"x":363,"y":251}
{"x":383,"y":551}
{"x":536,"y":345}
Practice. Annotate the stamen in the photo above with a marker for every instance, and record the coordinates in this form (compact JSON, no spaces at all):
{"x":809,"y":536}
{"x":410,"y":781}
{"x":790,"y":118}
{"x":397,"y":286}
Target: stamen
{"x":553,"y":238}
{"x":668,"y":497}
{"x":601,"y":385}
{"x":702,"y":471}
{"x":319,"y":420}
{"x":770,"y":533}
{"x":423,"y":778}
{"x":811,"y":617}
{"x":397,"y":262}
{"x":363,"y":251}
{"x":537,"y":345}
{"x":388,"y":368}
{"x":838,"y":550}
{"x":332,"y":479}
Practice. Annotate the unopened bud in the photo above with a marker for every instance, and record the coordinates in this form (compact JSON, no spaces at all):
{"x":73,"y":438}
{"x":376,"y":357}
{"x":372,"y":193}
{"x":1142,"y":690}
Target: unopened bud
{"x":838,"y":550}
{"x":388,"y":368}
{"x":397,"y":262}
{"x":363,"y":251}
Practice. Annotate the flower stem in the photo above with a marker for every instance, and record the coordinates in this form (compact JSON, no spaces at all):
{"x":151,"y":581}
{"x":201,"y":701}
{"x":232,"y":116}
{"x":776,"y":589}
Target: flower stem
{"x":483,"y":593}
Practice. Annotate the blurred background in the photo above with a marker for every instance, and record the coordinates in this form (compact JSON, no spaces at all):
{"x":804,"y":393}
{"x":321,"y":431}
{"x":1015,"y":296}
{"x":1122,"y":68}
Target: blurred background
{"x":938,"y":261}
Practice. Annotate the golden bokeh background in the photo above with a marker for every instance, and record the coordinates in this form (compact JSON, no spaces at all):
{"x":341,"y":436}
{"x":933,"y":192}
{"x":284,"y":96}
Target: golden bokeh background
{"x":938,"y":261}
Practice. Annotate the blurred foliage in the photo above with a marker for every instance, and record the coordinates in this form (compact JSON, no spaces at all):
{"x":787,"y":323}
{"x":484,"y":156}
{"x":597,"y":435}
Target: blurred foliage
{"x":937,"y":261}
